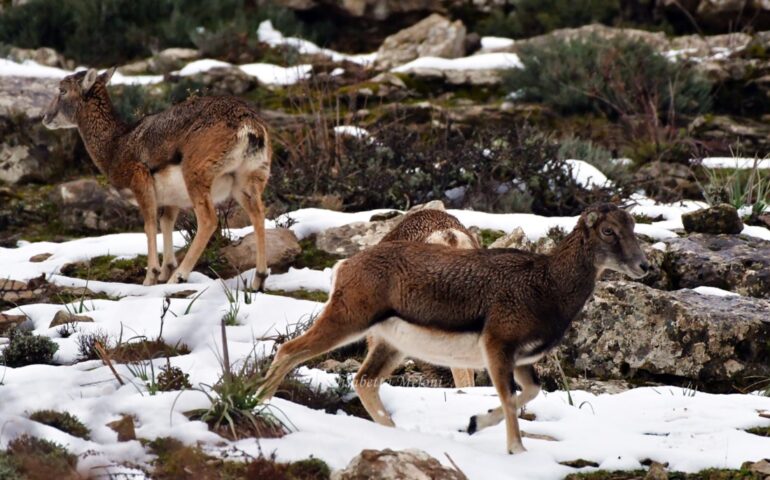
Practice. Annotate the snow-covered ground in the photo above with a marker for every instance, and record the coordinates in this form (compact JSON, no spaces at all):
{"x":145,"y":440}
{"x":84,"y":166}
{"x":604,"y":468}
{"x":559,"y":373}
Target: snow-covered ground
{"x":690,"y":430}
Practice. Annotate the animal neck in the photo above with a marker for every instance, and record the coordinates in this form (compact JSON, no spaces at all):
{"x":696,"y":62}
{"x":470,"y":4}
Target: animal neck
{"x":571,"y":266}
{"x":100,"y":128}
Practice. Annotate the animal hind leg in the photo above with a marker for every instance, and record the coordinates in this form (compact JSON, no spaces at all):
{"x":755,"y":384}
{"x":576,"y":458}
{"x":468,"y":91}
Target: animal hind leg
{"x":206,"y":218}
{"x":325,"y":334}
{"x":380,"y":362}
{"x":248,"y":194}
{"x":463,"y":377}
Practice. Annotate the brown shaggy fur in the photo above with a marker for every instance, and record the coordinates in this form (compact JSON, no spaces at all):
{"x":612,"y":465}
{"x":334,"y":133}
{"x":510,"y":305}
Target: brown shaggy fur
{"x":194,"y":154}
{"x":502,"y":309}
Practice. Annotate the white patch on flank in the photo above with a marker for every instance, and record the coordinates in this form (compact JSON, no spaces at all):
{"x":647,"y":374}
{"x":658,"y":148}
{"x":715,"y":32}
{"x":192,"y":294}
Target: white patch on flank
{"x":440,"y":237}
{"x":442,"y":348}
{"x":170,"y":187}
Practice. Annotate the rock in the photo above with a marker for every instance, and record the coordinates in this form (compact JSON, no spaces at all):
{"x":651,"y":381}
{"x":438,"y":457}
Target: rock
{"x":165,"y":61}
{"x":722,"y":218}
{"x":88,"y":206}
{"x":518,"y":239}
{"x":44,"y":56}
{"x":226,"y":81}
{"x":40,"y":257}
{"x":762,"y":467}
{"x":634,"y":332}
{"x":124,"y":428}
{"x":434,"y":36}
{"x":657,"y":471}
{"x":29,"y":152}
{"x":388,"y":464}
{"x":738,"y":130}
{"x":9,"y":322}
{"x":351,"y":365}
{"x":730,"y":262}
{"x":381,"y":217}
{"x":63,"y":317}
{"x":282,"y":248}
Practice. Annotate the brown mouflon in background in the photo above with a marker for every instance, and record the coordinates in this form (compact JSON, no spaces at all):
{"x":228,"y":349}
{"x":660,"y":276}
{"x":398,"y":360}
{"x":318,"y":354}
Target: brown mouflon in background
{"x":427,"y":226}
{"x":499,"y":309}
{"x":195,"y":154}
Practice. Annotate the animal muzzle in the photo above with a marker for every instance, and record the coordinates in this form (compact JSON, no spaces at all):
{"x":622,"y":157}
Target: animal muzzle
{"x":638,"y":268}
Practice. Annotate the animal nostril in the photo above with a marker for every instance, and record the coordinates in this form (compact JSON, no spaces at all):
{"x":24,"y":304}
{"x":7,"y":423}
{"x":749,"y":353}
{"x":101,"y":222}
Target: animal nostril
{"x":645,"y":266}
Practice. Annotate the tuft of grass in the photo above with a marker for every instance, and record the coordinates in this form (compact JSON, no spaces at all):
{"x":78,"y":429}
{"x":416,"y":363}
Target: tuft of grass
{"x":25,"y":349}
{"x":64,"y":421}
{"x":107,"y":268}
{"x":313,"y":257}
{"x":488,"y":236}
{"x":33,"y":458}
{"x":761,"y":431}
{"x":738,"y":187}
{"x":302,"y":294}
{"x":87,"y":344}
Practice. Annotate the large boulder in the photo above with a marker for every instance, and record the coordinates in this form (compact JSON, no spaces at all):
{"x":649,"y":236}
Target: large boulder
{"x":390,"y":464}
{"x":229,"y":80}
{"x":434,"y":36}
{"x":731,"y":262}
{"x":723,"y":218}
{"x":29,"y":152}
{"x":281,"y":248}
{"x":44,"y":56}
{"x":631,"y":331}
{"x":86,"y":205}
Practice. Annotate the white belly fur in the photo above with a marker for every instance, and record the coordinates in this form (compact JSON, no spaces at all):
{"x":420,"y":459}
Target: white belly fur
{"x":440,"y":348}
{"x":171,"y":190}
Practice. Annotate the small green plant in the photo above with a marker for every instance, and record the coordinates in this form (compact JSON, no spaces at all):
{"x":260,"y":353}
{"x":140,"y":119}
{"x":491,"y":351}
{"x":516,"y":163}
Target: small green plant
{"x":63,"y":421}
{"x":172,"y":378}
{"x":738,"y":187}
{"x":236,"y":408}
{"x":489,"y":236}
{"x":144,"y":371}
{"x":25,"y":349}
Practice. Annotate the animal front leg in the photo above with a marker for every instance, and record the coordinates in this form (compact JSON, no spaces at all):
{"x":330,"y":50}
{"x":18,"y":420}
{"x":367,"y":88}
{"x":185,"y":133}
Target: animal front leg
{"x":145,"y":196}
{"x":167,"y":221}
{"x":499,"y":361}
{"x":527,"y":378}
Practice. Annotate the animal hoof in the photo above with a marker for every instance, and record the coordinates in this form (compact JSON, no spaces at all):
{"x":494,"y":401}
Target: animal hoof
{"x":148,"y":281}
{"x":177,"y":278}
{"x":259,"y":281}
{"x":472,"y":425}
{"x":166,"y":272}
{"x":517,"y":449}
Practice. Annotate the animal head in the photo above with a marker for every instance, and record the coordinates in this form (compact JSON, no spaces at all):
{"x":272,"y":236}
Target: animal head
{"x":611,"y":232}
{"x":74,"y":93}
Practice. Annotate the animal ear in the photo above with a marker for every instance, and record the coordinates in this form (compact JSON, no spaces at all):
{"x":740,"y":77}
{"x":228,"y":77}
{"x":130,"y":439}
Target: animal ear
{"x":89,"y":80}
{"x":107,"y":75}
{"x":591,"y":219}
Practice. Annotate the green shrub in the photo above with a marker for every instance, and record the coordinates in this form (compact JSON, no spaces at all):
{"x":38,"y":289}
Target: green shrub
{"x":63,"y":421}
{"x":39,"y":459}
{"x":535,"y":17}
{"x":620,"y":77}
{"x":108,"y":32}
{"x":28,"y":349}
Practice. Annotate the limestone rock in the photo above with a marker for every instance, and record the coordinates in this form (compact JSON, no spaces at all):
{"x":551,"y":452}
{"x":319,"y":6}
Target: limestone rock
{"x":44,"y":56}
{"x":40,"y":257}
{"x":226,"y":80}
{"x":721,"y":218}
{"x":9,"y":322}
{"x":281,"y":245}
{"x":434,"y":36}
{"x":86,"y":204}
{"x":631,"y":331}
{"x":667,"y":182}
{"x":63,"y":317}
{"x":388,"y":464}
{"x":730,"y":262}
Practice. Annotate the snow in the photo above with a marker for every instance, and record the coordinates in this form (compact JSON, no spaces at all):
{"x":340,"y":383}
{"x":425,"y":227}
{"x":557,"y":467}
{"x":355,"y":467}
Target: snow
{"x":200,"y":66}
{"x":735,"y":162}
{"x":29,"y":68}
{"x":586,"y":175}
{"x":351,"y":131}
{"x":690,"y":430}
{"x":268,"y":34}
{"x":717,"y":292}
{"x":494,"y":43}
{"x":483,"y":61}
{"x":275,"y":75}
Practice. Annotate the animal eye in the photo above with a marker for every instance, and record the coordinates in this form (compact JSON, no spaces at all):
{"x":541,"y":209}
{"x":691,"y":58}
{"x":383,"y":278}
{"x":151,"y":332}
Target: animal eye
{"x":607,"y":231}
{"x":62,"y":91}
